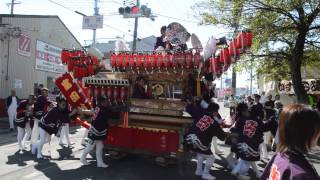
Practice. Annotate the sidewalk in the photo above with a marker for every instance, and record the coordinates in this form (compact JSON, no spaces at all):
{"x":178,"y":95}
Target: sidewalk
{"x":4,"y":125}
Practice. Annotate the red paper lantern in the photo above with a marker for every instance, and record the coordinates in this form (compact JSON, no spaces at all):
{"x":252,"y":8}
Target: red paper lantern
{"x":70,"y":65}
{"x":217,"y":65}
{"x":90,"y":70}
{"x":175,"y":60}
{"x":154,"y":60}
{"x":95,"y":60}
{"x":119,"y":61}
{"x":212,"y":65}
{"x":125,"y":62}
{"x":224,"y":56}
{"x":123,"y":93}
{"x":113,"y":60}
{"x":160,"y":60}
{"x":139,"y":61}
{"x":249,"y":37}
{"x":167,"y":60}
{"x":109,"y":92}
{"x":75,"y":71}
{"x":65,"y":56}
{"x":241,"y":40}
{"x":77,"y":53}
{"x":189,"y":59}
{"x":233,"y":51}
{"x":147,"y":61}
{"x":181,"y":59}
{"x":97,"y":91}
{"x":197,"y":59}
{"x":132,"y":59}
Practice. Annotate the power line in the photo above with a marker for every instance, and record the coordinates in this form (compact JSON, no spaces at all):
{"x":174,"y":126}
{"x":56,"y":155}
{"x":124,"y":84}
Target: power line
{"x":185,"y":20}
{"x":114,"y":28}
{"x":60,"y":5}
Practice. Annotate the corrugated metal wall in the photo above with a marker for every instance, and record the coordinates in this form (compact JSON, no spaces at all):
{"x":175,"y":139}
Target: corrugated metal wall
{"x":49,"y":30}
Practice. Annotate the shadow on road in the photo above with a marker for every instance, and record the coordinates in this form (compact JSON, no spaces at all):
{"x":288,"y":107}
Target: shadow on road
{"x":20,"y":159}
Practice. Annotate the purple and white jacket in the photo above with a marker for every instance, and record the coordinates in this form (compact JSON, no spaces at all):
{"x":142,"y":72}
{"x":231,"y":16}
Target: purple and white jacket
{"x":291,"y":165}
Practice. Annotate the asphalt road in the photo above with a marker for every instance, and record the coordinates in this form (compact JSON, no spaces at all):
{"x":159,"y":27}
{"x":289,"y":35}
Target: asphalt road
{"x":62,"y":163}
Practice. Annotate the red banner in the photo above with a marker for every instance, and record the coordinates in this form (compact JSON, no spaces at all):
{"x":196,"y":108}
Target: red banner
{"x":73,"y":91}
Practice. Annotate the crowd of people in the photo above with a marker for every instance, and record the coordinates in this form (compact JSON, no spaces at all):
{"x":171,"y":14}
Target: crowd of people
{"x":295,"y":130}
{"x":251,"y":120}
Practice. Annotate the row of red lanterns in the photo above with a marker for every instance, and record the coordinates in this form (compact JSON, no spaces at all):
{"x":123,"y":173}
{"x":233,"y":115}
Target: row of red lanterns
{"x":156,"y":60}
{"x":79,"y":63}
{"x":113,"y":93}
{"x":228,"y":55}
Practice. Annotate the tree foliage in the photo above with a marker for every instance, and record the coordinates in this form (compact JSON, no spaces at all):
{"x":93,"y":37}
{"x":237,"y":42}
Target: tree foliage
{"x":286,"y":33}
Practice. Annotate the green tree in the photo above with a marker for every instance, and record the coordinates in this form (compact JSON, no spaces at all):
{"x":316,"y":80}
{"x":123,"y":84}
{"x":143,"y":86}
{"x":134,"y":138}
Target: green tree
{"x":285,"y":32}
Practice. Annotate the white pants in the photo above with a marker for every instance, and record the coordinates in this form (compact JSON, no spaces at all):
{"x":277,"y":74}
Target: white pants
{"x":215,"y":145}
{"x":99,"y":152}
{"x":12,"y":113}
{"x":243,"y":167}
{"x":35,"y":132}
{"x":204,"y":171}
{"x":65,"y":133}
{"x":23,"y":135}
{"x":85,"y":135}
{"x":44,"y":137}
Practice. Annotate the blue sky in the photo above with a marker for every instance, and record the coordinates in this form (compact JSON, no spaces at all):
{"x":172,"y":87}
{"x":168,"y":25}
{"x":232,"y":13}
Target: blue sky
{"x":115,"y":25}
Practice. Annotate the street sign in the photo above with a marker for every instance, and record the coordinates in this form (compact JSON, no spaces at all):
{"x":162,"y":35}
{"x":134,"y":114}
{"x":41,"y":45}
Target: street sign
{"x":92,"y":22}
{"x":24,"y":45}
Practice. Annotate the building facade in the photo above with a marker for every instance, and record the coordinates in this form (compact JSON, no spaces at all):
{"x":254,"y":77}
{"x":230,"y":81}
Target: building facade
{"x":30,"y":48}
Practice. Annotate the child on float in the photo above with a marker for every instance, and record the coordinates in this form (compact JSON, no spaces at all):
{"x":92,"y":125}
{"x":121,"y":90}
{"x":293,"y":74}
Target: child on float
{"x":24,"y":121}
{"x":98,"y":131}
{"x":200,"y":135}
{"x":299,"y":132}
{"x":52,"y":121}
{"x":250,"y":132}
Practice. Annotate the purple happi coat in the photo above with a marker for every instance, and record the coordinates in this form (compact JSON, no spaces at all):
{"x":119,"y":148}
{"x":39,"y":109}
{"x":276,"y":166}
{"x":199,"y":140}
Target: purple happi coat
{"x":291,"y":165}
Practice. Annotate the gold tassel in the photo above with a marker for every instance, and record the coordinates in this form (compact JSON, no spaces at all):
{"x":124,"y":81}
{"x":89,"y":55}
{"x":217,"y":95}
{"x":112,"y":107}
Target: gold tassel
{"x":198,"y":87}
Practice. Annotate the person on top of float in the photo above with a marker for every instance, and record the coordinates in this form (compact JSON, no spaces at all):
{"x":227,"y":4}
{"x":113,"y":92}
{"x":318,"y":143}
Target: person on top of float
{"x":161,"y":42}
{"x":52,"y":121}
{"x":200,"y":135}
{"x":24,"y":121}
{"x":98,"y":131}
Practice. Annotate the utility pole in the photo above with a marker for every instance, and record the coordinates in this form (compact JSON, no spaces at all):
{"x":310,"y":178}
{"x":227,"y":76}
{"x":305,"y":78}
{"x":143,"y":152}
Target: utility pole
{"x":251,"y":76}
{"x":12,"y":5}
{"x":96,"y":12}
{"x":236,"y":29}
{"x":135,"y":33}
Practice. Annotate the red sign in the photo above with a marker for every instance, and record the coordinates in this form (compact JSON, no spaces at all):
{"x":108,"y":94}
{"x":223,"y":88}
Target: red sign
{"x":73,"y":91}
{"x":24,"y":45}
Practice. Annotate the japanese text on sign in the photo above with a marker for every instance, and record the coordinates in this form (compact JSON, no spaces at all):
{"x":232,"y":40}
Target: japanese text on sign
{"x":312,"y":86}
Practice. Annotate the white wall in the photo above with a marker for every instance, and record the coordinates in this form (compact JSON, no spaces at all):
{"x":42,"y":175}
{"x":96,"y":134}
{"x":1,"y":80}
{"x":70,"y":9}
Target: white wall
{"x":49,"y":30}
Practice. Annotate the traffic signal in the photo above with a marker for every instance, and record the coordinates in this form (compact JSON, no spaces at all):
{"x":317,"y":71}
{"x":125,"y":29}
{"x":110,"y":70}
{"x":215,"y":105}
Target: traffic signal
{"x":135,"y":11}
